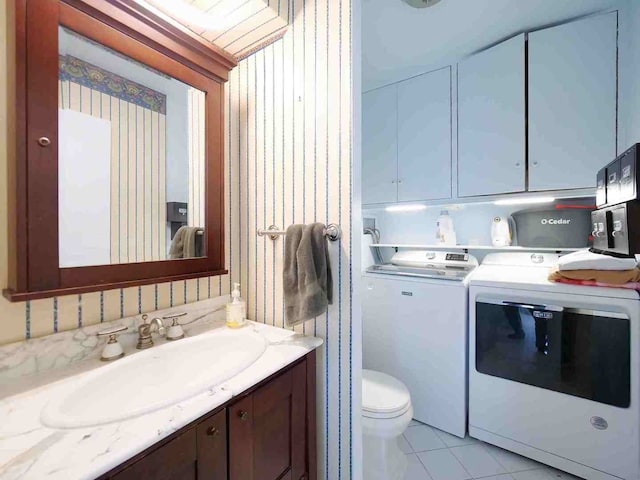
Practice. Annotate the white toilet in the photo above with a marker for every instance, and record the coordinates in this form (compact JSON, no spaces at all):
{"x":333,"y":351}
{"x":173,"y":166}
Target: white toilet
{"x":386,"y":413}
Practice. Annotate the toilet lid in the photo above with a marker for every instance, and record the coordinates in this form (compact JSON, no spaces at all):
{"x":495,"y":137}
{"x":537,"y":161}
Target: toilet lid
{"x":383,"y":394}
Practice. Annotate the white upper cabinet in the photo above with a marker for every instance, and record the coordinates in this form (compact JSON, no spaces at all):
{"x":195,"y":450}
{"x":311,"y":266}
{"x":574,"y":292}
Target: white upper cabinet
{"x":379,"y":145}
{"x":491,"y":120}
{"x":572,"y":102}
{"x":424,"y":137}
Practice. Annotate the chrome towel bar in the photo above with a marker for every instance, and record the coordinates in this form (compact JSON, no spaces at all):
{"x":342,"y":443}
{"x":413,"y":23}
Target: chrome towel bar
{"x":331,"y":231}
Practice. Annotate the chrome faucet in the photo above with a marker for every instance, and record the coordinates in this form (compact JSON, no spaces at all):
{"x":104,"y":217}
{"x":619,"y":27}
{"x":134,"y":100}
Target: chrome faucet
{"x":145,"y":340}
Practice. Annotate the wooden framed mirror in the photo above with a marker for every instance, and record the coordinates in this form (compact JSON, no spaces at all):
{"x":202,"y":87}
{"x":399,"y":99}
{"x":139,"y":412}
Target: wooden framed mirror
{"x":118,"y":174}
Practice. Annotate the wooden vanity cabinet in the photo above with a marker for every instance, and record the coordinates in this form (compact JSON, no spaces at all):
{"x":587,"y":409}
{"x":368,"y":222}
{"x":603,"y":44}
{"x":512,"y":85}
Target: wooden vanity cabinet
{"x":265,"y":433}
{"x":176,"y":460}
{"x":267,"y":430}
{"x":211,"y":447}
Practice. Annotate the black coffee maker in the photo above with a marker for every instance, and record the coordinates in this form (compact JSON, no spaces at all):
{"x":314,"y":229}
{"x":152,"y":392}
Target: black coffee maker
{"x":616,"y":222}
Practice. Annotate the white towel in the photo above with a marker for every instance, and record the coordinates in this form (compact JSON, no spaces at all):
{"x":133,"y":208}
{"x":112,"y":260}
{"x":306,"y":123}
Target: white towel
{"x":586,"y":260}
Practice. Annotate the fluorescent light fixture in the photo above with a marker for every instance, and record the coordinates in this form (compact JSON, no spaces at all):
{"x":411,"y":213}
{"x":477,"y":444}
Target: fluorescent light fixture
{"x":406,"y":208}
{"x":524,"y":201}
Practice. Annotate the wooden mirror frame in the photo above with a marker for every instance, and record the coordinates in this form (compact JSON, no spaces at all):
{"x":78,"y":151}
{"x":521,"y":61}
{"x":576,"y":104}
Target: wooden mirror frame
{"x":149,"y":37}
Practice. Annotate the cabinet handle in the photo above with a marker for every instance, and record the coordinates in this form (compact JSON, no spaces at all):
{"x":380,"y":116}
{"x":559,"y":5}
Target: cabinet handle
{"x":213,"y":431}
{"x":44,"y":141}
{"x":243,"y":415}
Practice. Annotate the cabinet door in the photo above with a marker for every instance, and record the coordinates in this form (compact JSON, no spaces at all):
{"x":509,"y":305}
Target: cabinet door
{"x":175,"y":460}
{"x":379,"y":146}
{"x":572,"y":102}
{"x":491,"y":120}
{"x":267,"y":430}
{"x":424,"y":137}
{"x":212,"y":447}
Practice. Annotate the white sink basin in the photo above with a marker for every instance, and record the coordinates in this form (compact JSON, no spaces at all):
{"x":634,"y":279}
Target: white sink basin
{"x":153,"y":379}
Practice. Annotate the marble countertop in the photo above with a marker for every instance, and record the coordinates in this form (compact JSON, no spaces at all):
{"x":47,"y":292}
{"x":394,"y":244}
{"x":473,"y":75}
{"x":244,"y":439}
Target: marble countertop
{"x":30,"y":450}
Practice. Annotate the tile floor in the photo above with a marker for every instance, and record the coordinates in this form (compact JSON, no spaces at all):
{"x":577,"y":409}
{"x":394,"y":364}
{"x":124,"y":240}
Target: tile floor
{"x":437,"y":455}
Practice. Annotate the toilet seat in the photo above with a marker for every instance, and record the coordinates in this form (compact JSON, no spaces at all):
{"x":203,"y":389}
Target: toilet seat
{"x":383,"y":396}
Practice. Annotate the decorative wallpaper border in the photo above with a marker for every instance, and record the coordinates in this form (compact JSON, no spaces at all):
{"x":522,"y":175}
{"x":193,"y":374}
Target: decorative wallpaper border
{"x":84,"y":73}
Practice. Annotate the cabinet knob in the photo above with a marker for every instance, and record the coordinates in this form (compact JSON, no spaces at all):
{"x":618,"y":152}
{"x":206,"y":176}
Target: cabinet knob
{"x":213,"y":431}
{"x":517,"y":164}
{"x":399,"y":181}
{"x":243,"y":415}
{"x":393,"y":181}
{"x":44,"y":141}
{"x":535,"y":164}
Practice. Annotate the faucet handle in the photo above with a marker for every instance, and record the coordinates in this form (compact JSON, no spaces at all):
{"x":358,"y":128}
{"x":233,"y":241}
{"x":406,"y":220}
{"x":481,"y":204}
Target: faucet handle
{"x":175,"y":331}
{"x":173,"y":316}
{"x":112,"y":331}
{"x":112,"y":350}
{"x":144,"y":318}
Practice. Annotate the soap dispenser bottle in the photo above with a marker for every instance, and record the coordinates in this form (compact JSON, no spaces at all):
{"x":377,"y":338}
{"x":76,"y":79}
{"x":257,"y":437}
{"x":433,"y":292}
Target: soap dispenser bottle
{"x":236,"y":309}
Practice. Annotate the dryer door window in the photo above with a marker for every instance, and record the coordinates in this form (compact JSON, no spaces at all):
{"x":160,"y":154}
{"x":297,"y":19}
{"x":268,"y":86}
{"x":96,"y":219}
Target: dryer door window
{"x":579,"y":352}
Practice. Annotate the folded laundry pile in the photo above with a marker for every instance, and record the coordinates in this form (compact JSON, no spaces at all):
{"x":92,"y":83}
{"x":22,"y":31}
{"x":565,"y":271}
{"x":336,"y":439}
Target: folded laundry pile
{"x":593,"y":283}
{"x":589,"y":268}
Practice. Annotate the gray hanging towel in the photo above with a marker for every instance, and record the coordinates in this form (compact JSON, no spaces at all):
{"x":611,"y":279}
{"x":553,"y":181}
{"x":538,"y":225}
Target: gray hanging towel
{"x":308,"y":286}
{"x":184,"y":243}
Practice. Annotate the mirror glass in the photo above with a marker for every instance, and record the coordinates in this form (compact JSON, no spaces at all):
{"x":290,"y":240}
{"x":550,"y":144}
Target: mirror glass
{"x":131,"y":159}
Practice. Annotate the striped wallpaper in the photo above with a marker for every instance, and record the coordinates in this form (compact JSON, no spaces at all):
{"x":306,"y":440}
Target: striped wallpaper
{"x":288,"y":160}
{"x":289,"y":148}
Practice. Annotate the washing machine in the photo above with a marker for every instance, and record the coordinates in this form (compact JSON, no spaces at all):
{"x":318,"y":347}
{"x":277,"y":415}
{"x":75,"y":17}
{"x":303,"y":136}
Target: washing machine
{"x":554,"y":368}
{"x":415,"y":329}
